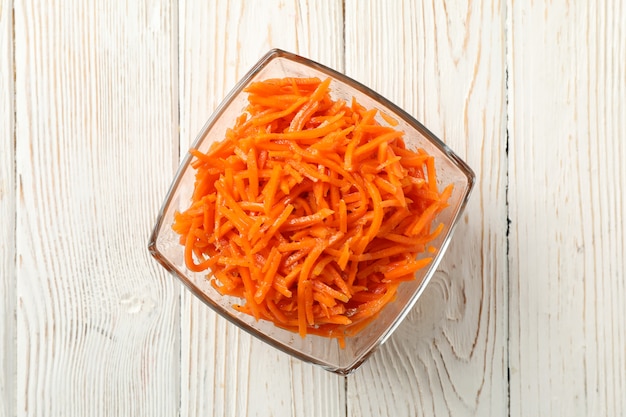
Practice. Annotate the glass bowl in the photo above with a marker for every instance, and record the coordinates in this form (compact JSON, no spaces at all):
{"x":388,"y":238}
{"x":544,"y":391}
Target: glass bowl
{"x":325,"y":352}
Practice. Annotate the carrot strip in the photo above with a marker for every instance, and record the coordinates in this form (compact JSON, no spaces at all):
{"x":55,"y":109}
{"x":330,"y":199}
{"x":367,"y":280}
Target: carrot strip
{"x":377,"y":219}
{"x":308,"y":221}
{"x":406,"y":268}
{"x":253,"y":174}
{"x":372,"y":145}
{"x":432,"y":174}
{"x":343,"y":216}
{"x":325,"y":289}
{"x":274,"y":262}
{"x":308,"y":304}
{"x":262,"y":120}
{"x":269,"y":192}
{"x":324,"y":300}
{"x":302,"y":309}
{"x":390,"y":120}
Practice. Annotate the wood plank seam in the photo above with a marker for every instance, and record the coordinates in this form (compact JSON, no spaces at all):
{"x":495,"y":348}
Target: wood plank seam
{"x":508,"y":48}
{"x":8,"y":206}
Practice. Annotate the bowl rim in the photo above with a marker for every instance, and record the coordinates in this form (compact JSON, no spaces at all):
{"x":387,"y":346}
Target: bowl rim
{"x":271,"y":55}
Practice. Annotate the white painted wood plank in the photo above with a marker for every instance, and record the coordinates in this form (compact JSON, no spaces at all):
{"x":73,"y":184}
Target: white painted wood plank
{"x":96,"y":127}
{"x":226,"y":371}
{"x":445,"y":64}
{"x":567,"y":180}
{"x":7,"y":213}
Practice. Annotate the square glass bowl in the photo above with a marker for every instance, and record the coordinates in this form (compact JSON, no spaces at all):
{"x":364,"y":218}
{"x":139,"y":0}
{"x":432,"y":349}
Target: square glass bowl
{"x":164,"y":242}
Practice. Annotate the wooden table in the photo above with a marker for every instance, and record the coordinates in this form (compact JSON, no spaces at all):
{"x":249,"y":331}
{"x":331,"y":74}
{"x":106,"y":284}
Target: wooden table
{"x":99,"y":101}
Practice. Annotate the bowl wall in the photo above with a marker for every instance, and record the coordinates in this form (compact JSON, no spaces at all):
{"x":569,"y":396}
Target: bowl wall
{"x":164,"y":242}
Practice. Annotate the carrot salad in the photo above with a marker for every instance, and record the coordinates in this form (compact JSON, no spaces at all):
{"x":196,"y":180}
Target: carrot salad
{"x":310,"y":210}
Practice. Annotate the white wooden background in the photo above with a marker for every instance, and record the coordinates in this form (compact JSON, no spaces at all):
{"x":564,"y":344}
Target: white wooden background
{"x":100,"y":99}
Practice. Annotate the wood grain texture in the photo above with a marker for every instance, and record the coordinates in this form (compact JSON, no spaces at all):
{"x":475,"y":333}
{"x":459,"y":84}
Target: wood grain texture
{"x":567,"y":180}
{"x":97,"y":319}
{"x":444,"y":62}
{"x":7,"y":213}
{"x":229,"y":372}
{"x":100,"y":100}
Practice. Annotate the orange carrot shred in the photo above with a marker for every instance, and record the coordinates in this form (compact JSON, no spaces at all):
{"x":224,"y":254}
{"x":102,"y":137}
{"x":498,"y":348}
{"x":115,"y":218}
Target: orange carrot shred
{"x":310,"y":211}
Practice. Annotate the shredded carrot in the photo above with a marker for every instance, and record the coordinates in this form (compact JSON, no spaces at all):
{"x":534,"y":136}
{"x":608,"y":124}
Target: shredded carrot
{"x":310,"y":211}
